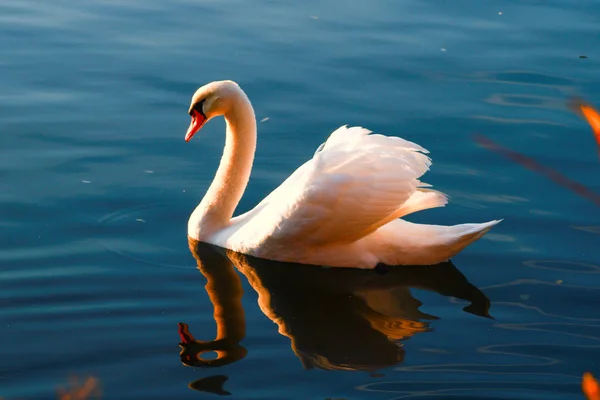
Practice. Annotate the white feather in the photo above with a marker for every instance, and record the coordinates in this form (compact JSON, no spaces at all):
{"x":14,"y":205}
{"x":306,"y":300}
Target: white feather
{"x":356,"y":183}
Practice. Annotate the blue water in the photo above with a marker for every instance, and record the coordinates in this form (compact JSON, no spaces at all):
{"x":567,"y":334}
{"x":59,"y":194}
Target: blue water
{"x":96,"y":184}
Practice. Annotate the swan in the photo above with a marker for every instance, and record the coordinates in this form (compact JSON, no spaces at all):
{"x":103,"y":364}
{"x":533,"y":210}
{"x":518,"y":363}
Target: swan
{"x":341,"y":208}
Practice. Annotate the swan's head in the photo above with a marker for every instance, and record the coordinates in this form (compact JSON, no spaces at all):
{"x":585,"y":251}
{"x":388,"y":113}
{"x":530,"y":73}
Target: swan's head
{"x":209,"y":101}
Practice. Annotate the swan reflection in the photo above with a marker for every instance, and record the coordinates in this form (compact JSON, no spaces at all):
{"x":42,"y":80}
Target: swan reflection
{"x":336,"y":319}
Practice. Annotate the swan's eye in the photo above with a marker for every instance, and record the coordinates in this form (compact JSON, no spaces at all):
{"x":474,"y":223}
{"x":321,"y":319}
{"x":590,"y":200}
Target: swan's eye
{"x":198,"y":107}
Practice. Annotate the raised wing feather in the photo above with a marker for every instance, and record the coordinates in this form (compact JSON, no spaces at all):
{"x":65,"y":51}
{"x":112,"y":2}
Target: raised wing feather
{"x":355,"y":183}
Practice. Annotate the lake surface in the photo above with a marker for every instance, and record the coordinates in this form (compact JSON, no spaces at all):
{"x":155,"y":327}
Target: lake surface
{"x":96,"y":184}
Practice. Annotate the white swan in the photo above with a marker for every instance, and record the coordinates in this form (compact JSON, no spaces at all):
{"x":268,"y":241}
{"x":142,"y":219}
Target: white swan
{"x":341,"y":208}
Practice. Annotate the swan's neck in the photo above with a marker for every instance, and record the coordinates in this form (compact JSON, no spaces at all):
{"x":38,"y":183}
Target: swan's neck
{"x":218,"y":205}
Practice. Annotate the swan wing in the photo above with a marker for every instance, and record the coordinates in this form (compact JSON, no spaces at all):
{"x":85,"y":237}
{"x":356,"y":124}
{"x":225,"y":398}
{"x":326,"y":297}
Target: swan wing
{"x":356,"y":182}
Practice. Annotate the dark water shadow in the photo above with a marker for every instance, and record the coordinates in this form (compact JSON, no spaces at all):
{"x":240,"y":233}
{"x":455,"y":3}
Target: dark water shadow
{"x":211,"y":384}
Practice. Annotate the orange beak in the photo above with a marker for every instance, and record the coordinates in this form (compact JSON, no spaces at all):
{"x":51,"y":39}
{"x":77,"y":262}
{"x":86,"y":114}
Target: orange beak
{"x":197,"y":121}
{"x":184,"y":333}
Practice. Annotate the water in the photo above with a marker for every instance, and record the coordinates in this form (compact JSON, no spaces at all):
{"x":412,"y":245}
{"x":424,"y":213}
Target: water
{"x":97,"y":184}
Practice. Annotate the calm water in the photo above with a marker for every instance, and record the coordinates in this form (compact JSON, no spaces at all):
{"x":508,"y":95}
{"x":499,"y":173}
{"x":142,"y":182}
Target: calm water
{"x":97,"y":184}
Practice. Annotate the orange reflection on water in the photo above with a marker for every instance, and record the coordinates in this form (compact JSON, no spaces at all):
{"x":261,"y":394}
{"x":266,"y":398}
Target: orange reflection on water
{"x":89,"y":389}
{"x":590,"y":387}
{"x":592,"y":117}
{"x":535,"y":166}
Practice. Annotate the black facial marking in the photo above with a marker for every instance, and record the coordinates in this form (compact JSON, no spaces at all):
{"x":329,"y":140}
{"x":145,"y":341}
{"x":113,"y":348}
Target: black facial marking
{"x":198,"y":107}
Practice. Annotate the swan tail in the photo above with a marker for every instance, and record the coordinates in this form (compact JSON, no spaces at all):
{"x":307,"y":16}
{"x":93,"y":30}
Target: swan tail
{"x":406,"y":243}
{"x":460,"y":236}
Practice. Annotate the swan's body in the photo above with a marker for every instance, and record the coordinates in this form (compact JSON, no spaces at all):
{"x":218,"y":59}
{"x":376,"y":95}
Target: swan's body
{"x":341,"y":208}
